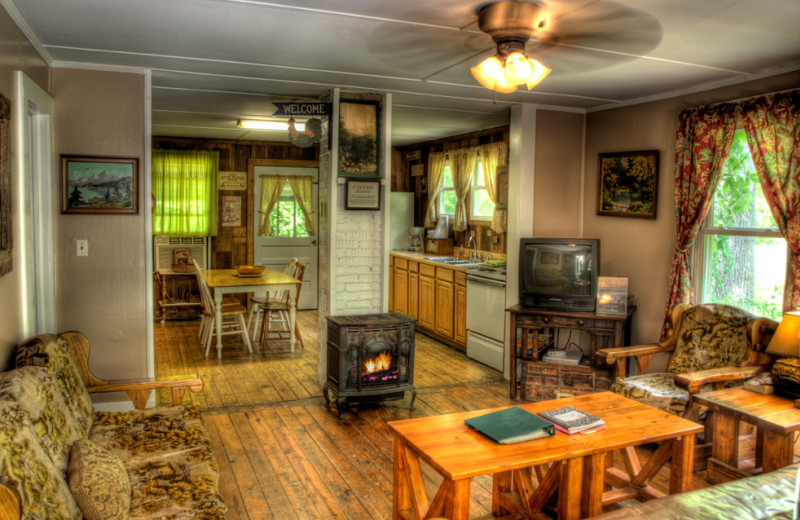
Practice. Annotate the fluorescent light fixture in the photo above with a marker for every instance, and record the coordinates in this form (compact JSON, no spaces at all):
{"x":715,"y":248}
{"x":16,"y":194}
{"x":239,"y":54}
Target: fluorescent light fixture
{"x":261,"y":124}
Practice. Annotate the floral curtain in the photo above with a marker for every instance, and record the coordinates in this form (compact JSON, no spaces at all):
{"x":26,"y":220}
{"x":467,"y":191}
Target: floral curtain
{"x":302,"y":187}
{"x":463,"y":166}
{"x":185,"y":192}
{"x":494,"y":155}
{"x":772,"y":124}
{"x":271,"y":188}
{"x":436,"y":164}
{"x":703,"y":141}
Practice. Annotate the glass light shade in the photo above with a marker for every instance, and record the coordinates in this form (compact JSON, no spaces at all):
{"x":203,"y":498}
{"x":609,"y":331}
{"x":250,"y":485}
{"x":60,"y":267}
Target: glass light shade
{"x":786,"y":340}
{"x":489,"y":73}
{"x":519,"y":68}
{"x":539,"y":73}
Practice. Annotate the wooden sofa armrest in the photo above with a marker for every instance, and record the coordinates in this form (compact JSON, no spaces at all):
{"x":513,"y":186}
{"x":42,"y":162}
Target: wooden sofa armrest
{"x":137,"y":389}
{"x":641,"y":353}
{"x":10,"y":503}
{"x":693,"y":381}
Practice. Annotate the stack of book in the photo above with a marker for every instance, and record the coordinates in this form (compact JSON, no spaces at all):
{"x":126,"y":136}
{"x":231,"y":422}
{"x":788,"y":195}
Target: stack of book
{"x":762,"y":384}
{"x":511,"y":425}
{"x":571,"y":420}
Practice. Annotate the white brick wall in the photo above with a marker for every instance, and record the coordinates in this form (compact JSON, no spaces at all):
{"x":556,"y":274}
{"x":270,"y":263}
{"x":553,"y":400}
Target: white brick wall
{"x":358,"y":247}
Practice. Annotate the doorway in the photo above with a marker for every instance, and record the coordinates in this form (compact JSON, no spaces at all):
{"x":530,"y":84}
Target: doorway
{"x":288,"y":235}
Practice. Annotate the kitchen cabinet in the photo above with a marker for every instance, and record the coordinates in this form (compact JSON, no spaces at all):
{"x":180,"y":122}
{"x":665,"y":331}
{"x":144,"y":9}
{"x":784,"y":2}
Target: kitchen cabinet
{"x":445,"y":293}
{"x":401,"y":285}
{"x":413,"y":289}
{"x":460,"y":311}
{"x":427,"y":297}
{"x":391,"y":283}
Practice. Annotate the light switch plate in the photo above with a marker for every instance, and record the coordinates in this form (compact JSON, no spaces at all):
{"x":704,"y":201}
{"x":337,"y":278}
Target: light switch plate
{"x":83,"y":247}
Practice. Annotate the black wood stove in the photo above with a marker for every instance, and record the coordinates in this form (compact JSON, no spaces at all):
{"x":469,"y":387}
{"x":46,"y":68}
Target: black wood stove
{"x":370,"y":358}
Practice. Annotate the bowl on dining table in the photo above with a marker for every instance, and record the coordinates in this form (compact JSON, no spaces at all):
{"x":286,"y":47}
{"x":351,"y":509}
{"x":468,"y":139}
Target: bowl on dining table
{"x":250,"y":270}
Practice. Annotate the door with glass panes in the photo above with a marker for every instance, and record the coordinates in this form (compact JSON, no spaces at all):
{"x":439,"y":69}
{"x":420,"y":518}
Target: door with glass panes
{"x":288,"y":234}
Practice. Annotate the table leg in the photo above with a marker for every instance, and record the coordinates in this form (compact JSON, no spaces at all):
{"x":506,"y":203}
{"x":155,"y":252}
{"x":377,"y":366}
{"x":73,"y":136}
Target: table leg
{"x":501,"y":482}
{"x":292,"y":314}
{"x":457,"y":507}
{"x":218,"y":319}
{"x":594,"y":470}
{"x":726,"y":439}
{"x":401,"y":494}
{"x":681,"y":465}
{"x":778,"y":450}
{"x":569,"y":489}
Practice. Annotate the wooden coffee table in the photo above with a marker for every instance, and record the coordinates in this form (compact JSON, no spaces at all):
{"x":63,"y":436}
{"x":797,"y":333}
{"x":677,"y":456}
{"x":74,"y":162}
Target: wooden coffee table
{"x":576,"y":466}
{"x":775,"y":418}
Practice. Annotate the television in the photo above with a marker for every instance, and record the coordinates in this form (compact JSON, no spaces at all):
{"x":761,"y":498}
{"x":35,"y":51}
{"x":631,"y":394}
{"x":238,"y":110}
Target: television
{"x":559,"y":273}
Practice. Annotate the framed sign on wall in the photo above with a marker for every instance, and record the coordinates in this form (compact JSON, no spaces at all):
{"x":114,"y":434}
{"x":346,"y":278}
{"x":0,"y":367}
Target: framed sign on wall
{"x":362,"y":194}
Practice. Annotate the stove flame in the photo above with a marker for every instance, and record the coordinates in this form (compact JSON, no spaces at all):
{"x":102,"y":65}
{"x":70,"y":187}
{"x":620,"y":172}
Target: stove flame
{"x":382,"y":361}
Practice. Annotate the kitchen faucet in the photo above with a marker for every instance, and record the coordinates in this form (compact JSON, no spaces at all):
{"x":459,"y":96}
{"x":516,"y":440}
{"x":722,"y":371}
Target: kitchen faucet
{"x":474,"y":253}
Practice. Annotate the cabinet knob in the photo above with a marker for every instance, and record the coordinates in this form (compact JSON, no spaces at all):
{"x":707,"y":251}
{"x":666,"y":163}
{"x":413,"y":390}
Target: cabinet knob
{"x":580,"y":322}
{"x":546,"y":319}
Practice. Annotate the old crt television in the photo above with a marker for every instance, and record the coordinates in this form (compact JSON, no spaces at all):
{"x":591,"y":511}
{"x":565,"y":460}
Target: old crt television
{"x":559,"y":273}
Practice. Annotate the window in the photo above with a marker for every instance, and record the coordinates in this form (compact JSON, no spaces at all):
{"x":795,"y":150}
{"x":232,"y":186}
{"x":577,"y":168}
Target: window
{"x":741,"y":251}
{"x":185,"y":192}
{"x":447,"y":194}
{"x":287,"y":219}
{"x":482,"y":205}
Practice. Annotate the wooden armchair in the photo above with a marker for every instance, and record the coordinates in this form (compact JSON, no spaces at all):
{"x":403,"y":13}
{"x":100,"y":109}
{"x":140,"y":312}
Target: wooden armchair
{"x":137,"y":389}
{"x":710,"y":346}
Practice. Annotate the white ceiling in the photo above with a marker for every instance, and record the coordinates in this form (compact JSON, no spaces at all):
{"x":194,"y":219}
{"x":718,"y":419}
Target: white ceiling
{"x":216,"y":61}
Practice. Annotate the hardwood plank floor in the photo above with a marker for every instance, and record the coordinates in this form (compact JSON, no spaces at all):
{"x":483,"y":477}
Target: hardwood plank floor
{"x":282,"y":454}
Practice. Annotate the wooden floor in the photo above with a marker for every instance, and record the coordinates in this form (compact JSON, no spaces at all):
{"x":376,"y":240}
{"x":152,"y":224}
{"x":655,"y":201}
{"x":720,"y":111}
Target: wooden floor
{"x":282,"y":454}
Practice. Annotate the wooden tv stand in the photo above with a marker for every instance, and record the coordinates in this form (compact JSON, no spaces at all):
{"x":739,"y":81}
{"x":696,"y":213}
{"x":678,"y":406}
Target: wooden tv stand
{"x":614,"y":329}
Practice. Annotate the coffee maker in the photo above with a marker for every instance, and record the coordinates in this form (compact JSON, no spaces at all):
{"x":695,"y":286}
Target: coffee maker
{"x":414,"y":240}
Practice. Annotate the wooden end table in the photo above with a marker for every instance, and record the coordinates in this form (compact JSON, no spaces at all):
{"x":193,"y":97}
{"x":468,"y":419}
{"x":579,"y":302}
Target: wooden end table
{"x":574,"y":466}
{"x":775,"y":418}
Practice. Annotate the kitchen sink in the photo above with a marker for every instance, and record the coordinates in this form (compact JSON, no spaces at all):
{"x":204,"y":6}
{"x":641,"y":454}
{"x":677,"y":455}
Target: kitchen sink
{"x":449,"y":260}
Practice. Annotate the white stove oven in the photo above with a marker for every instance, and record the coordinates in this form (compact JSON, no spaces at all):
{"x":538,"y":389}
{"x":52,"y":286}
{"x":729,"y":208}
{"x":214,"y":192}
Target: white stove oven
{"x":486,"y":304}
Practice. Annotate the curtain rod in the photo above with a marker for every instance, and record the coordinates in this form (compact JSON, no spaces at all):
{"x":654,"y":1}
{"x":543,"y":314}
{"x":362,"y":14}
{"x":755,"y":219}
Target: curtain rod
{"x":735,"y":101}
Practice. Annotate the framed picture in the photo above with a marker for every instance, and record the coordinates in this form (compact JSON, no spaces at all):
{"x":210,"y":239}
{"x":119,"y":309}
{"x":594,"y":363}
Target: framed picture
{"x":359,"y":138}
{"x":6,"y":229}
{"x":627,"y":184}
{"x":362,"y":194}
{"x":99,"y":185}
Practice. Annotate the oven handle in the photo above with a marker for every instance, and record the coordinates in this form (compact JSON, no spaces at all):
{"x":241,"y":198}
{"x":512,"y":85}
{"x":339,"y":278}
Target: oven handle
{"x":485,"y":281}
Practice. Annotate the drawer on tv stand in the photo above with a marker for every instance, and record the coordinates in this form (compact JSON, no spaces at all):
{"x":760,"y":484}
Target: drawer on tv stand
{"x":548,"y":320}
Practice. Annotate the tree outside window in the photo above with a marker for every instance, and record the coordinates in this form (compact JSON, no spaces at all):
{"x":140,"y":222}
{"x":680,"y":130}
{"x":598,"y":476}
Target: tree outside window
{"x":287,"y":219}
{"x":482,"y":205}
{"x":742,"y":253}
{"x":447,"y":194}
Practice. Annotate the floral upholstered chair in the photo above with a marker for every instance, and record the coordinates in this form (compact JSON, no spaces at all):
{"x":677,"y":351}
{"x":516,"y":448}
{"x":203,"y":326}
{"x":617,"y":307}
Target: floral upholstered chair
{"x":711,"y":346}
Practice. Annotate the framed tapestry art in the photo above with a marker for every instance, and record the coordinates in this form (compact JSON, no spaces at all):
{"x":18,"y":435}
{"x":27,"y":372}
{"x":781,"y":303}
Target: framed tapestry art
{"x":627,"y":184}
{"x":359,"y":139}
{"x":99,"y":185}
{"x":6,"y":229}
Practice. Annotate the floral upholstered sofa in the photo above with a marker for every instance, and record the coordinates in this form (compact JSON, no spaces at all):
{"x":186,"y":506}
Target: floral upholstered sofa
{"x":61,"y":460}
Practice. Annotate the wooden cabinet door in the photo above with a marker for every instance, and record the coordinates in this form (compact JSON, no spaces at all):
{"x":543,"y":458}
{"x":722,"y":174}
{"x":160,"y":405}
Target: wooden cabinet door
{"x":460,"y":317}
{"x":444,"y":308}
{"x":413,"y":294}
{"x":400,"y":290}
{"x":427,"y":302}
{"x":391,"y":284}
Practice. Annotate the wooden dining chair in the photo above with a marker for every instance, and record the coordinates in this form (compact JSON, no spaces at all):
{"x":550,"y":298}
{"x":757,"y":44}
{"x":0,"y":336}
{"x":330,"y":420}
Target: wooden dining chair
{"x":256,"y":301}
{"x":232,"y":316}
{"x":276,"y":310}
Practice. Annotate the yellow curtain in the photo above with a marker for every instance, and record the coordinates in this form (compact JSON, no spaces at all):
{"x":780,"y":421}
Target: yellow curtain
{"x":186,"y":192}
{"x":463,"y":165}
{"x":271,"y":188}
{"x":436,"y":163}
{"x":492,"y":156}
{"x":302,"y":186}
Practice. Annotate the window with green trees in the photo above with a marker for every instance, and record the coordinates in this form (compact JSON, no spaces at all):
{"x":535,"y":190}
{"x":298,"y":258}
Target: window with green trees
{"x":287,"y":219}
{"x":742,"y":255}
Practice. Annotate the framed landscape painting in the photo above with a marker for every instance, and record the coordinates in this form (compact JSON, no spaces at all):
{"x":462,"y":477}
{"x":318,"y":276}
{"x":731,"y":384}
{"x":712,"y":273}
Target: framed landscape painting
{"x":359,"y":138}
{"x":627,"y":184}
{"x":99,"y":185}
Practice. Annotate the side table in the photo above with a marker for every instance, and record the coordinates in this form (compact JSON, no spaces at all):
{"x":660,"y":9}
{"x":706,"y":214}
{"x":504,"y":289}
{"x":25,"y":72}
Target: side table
{"x":775,"y":418}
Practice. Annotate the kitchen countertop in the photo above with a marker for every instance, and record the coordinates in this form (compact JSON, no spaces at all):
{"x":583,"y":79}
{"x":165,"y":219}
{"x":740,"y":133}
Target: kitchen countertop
{"x":420,"y":256}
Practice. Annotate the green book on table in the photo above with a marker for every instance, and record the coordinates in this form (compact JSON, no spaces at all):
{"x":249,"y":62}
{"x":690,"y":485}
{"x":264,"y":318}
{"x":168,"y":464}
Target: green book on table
{"x":511,"y":425}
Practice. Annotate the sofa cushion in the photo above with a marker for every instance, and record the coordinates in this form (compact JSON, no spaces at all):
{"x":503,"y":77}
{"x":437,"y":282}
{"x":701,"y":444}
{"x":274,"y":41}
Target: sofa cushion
{"x":33,"y":391}
{"x":657,"y":390}
{"x":27,"y":468}
{"x":710,"y":336}
{"x":99,"y":482}
{"x":52,"y":352}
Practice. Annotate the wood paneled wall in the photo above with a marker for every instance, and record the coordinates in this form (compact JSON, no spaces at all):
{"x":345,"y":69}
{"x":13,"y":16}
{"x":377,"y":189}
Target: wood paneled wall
{"x":403,"y":181}
{"x":232,"y":246}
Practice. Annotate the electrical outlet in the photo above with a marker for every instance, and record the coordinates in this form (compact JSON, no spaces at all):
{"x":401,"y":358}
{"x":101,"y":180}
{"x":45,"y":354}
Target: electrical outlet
{"x":83,"y":247}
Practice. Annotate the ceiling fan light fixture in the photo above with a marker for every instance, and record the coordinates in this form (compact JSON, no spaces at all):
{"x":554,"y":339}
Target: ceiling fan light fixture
{"x":539,"y":73}
{"x":518,"y":69}
{"x":490,"y":74}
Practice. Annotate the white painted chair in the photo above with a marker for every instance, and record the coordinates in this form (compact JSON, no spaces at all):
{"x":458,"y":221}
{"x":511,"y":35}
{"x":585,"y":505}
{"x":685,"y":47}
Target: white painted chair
{"x":232,"y":317}
{"x":257,"y":302}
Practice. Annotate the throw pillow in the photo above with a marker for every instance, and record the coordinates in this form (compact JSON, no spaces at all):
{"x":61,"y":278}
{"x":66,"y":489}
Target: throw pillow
{"x":99,"y":482}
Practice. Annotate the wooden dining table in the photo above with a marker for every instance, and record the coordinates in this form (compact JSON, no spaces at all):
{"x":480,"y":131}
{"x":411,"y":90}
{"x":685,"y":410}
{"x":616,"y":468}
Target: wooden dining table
{"x":229,"y":281}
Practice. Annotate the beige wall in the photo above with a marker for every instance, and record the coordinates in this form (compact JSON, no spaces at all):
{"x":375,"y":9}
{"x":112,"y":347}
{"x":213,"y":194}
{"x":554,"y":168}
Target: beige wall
{"x":642,"y":249}
{"x":103,"y":295}
{"x":15,"y":54}
{"x":558,"y":166}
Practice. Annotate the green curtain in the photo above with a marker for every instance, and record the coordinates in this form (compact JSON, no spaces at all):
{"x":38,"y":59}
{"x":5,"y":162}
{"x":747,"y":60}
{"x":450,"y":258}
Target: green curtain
{"x":185,"y":191}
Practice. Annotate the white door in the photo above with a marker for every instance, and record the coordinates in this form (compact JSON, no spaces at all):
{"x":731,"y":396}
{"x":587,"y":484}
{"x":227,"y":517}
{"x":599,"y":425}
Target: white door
{"x":274,"y":251}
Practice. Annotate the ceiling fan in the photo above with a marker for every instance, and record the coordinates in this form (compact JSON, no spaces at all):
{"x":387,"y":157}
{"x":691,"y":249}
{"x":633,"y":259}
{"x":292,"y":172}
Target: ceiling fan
{"x":598,"y":25}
